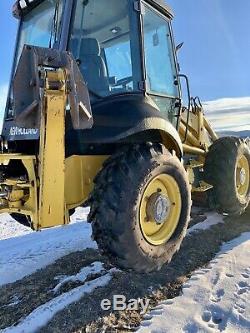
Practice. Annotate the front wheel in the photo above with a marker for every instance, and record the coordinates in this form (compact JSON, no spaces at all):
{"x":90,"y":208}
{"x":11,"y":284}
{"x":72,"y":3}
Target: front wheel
{"x":140,"y":207}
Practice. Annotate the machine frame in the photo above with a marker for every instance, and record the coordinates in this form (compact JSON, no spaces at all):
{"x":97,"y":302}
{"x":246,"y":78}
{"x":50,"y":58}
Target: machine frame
{"x":78,"y":166}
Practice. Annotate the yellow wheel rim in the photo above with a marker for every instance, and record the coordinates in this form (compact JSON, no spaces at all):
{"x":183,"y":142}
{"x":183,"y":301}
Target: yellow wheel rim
{"x":160,"y":209}
{"x":242,"y":176}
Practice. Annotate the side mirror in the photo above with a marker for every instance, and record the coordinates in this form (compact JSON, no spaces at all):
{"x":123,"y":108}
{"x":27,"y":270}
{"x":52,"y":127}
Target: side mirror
{"x":178,"y":47}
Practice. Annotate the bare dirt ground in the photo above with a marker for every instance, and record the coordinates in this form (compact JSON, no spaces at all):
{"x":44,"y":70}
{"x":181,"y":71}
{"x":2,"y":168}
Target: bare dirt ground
{"x":86,"y":315}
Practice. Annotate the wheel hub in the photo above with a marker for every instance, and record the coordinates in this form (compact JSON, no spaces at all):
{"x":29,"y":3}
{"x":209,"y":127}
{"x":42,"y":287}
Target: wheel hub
{"x":242,"y":176}
{"x":158,"y":208}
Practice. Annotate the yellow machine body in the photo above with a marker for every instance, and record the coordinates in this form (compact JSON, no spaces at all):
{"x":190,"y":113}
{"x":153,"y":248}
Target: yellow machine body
{"x":57,"y":184}
{"x":54,"y":184}
{"x":49,"y":208}
{"x":195,"y":131}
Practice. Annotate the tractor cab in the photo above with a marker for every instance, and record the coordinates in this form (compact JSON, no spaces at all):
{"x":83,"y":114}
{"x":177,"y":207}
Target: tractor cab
{"x":124,"y":50}
{"x":108,"y":45}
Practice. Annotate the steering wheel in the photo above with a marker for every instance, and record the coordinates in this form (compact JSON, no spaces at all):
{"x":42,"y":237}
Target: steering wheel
{"x":123,"y":82}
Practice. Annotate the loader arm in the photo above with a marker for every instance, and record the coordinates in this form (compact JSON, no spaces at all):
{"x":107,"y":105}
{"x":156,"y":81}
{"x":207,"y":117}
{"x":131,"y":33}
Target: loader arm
{"x":197,"y":137}
{"x":195,"y":130}
{"x":52,"y":210}
{"x":34,"y":185}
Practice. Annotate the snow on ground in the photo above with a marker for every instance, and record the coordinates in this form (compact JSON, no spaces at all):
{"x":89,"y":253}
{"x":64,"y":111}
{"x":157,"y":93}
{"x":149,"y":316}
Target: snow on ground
{"x":22,"y":251}
{"x":10,"y":228}
{"x":44,"y":313}
{"x":215,"y":299}
{"x":27,"y":251}
{"x":96,"y":267}
{"x":212,"y":219}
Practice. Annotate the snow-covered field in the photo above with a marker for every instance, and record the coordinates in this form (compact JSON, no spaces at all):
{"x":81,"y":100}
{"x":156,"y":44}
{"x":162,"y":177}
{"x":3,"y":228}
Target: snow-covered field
{"x":23,"y":251}
{"x":229,"y":114}
{"x":215,"y":299}
{"x":44,"y":313}
{"x":212,"y":219}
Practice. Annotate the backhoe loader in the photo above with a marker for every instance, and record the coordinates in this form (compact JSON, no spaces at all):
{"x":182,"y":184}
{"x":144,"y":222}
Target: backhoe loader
{"x":95,"y":117}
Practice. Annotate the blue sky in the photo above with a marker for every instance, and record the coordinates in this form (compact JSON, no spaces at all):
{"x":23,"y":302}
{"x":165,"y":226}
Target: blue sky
{"x":216,"y":53}
{"x":8,"y":26}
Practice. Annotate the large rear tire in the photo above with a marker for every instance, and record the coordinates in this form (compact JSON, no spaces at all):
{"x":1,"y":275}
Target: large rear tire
{"x":227,"y":168}
{"x":140,"y":207}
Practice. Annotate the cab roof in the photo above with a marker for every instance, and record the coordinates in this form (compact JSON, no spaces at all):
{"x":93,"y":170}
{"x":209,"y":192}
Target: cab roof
{"x":21,"y":6}
{"x":162,"y":5}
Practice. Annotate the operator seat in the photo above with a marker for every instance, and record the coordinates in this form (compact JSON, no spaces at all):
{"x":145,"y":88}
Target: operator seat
{"x":93,"y":66}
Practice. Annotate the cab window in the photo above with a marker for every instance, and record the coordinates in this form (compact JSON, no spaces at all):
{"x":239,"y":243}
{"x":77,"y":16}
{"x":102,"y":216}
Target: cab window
{"x":158,"y":49}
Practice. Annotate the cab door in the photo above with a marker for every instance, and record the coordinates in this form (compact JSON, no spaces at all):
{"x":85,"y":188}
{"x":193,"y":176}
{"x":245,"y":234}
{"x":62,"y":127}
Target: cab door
{"x":160,"y":64}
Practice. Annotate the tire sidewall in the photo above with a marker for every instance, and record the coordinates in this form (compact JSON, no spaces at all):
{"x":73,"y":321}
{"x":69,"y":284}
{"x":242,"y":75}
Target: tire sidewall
{"x":220,"y":171}
{"x":165,"y":251}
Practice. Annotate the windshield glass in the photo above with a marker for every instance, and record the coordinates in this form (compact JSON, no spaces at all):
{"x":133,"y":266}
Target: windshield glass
{"x":41,"y":26}
{"x":101,"y":42}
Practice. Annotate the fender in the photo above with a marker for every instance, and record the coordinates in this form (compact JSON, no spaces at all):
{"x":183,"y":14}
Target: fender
{"x":132,"y":118}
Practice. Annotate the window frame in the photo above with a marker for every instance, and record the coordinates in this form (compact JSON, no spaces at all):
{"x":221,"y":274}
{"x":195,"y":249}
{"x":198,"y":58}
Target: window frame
{"x":60,"y":45}
{"x":137,"y":55}
{"x":175,"y":61}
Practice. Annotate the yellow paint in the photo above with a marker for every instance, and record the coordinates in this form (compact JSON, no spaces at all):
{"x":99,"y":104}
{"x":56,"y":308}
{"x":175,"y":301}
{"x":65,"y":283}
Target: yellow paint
{"x":200,"y":135}
{"x":80,"y":172}
{"x":16,"y":195}
{"x":56,"y":184}
{"x":22,"y":197}
{"x":158,"y":234}
{"x":79,"y":175}
{"x":243,"y":176}
{"x":203,"y":187}
{"x":52,"y":153}
{"x":31,"y":204}
{"x":188,"y":149}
